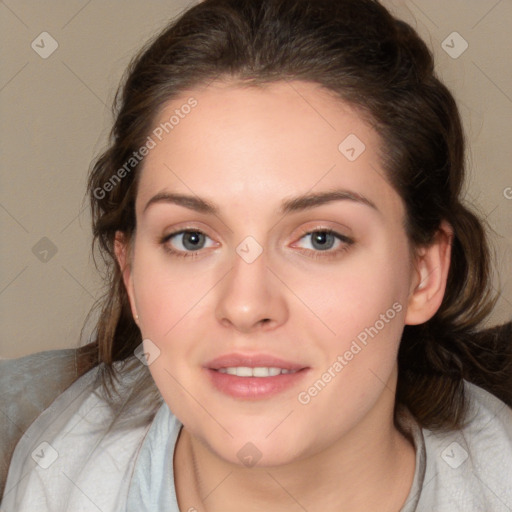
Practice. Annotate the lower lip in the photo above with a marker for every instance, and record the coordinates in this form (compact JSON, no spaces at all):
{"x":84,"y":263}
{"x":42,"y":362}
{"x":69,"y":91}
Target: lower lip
{"x":254,"y":387}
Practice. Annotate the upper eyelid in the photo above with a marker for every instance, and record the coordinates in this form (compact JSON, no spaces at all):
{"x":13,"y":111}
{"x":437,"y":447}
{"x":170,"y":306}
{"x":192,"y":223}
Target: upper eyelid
{"x":326,"y":230}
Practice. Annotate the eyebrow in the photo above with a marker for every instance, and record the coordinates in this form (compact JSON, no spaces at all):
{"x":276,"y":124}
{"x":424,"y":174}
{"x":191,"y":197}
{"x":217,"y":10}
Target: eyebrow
{"x":295,"y":204}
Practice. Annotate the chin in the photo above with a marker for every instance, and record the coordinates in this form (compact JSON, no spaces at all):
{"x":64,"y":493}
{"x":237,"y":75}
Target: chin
{"x":252,"y":448}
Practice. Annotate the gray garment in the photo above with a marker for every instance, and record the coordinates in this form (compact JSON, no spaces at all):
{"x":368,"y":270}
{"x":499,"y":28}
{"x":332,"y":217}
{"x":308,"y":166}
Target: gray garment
{"x":469,"y":470}
{"x":132,"y":469}
{"x":28,"y":385}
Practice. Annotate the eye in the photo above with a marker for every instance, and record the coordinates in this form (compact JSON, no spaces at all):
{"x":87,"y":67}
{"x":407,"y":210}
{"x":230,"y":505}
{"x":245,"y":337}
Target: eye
{"x":324,"y":241}
{"x":186,"y":243}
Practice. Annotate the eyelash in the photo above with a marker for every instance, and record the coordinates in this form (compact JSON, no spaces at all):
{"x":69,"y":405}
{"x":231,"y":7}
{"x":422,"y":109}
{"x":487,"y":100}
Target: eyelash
{"x":328,"y":254}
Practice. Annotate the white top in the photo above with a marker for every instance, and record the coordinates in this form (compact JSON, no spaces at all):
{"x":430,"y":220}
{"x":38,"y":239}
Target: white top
{"x":79,"y":456}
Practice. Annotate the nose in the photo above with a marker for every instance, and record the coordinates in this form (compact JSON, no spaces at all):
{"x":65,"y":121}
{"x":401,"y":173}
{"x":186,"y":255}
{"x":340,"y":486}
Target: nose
{"x":251,"y":297}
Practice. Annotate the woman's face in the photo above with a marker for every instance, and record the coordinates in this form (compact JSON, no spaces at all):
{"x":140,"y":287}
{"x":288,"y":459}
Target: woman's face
{"x":268,"y":237}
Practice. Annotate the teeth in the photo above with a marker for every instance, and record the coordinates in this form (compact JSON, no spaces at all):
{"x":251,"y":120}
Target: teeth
{"x":245,"y":371}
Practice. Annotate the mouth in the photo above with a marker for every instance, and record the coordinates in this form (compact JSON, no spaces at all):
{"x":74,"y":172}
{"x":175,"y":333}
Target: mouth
{"x":253,"y":377}
{"x":259,"y":371}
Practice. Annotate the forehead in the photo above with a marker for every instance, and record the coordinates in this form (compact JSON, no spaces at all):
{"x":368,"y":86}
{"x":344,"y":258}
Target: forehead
{"x":230,"y":140}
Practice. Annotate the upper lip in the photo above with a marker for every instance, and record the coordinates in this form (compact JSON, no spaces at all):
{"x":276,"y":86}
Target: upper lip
{"x":252,"y":361}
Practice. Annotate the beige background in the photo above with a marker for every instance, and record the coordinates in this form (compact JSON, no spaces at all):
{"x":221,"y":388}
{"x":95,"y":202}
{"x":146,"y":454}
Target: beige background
{"x":55,"y":115}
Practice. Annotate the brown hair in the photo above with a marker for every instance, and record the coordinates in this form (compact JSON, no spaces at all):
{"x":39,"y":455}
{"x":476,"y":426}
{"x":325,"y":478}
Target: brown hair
{"x":359,"y":51}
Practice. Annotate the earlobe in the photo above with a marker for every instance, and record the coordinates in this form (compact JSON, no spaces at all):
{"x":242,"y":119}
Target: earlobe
{"x":123,"y":257}
{"x":432,"y":265}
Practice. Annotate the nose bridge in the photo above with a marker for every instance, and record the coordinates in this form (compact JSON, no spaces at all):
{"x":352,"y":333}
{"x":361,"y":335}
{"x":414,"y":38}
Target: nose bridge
{"x":251,"y":296}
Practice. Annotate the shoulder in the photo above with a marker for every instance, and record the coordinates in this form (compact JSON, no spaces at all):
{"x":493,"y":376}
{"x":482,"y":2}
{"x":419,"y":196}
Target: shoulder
{"x":488,"y":432}
{"x":91,"y":437}
{"x":28,"y":385}
{"x":471,"y":468}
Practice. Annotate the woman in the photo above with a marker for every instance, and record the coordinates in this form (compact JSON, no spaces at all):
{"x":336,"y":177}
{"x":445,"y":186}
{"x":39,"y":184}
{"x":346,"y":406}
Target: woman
{"x":295,"y":283}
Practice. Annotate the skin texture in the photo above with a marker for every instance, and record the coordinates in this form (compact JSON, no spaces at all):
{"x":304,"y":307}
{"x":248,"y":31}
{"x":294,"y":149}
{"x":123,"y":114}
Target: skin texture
{"x":246,"y":150}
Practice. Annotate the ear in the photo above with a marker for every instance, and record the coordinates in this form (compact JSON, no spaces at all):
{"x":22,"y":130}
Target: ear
{"x":432,"y":264}
{"x":122,"y":251}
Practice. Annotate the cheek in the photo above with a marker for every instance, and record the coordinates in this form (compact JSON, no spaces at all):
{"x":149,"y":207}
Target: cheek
{"x":363,"y":304}
{"x":370,"y":288}
{"x":167,"y":292}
